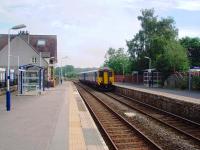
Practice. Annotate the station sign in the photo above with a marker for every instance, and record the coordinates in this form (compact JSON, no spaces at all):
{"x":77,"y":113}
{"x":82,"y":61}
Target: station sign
{"x":22,"y":70}
{"x":195,"y":67}
{"x":2,"y":69}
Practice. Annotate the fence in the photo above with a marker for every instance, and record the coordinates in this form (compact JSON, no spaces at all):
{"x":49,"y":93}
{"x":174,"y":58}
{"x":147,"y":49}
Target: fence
{"x":129,"y":78}
{"x":3,"y":78}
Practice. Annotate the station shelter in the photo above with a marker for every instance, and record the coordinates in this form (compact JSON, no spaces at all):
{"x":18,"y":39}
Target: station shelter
{"x":151,"y":78}
{"x":31,"y":80}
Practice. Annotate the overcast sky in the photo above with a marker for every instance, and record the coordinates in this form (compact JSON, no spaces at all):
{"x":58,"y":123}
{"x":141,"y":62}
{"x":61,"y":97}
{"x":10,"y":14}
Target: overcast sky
{"x":85,"y":29}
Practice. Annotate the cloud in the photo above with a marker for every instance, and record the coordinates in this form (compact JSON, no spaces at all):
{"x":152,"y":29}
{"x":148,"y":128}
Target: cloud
{"x":190,"y":5}
{"x":189,"y":31}
{"x":85,"y":28}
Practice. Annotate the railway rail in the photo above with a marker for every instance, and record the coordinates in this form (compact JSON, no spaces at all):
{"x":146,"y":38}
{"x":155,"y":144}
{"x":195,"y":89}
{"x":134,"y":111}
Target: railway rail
{"x":118,"y":132}
{"x":182,"y":125}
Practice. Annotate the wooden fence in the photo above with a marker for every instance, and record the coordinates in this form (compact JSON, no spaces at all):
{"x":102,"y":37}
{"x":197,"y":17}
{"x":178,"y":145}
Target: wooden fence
{"x":129,"y":78}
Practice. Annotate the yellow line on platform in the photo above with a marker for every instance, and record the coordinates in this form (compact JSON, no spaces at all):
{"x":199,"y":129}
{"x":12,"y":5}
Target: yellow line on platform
{"x":76,"y":139}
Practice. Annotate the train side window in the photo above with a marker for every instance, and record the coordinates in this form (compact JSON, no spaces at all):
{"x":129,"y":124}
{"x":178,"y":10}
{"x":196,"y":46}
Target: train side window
{"x":100,"y":73}
{"x":110,"y":74}
{"x":95,"y":74}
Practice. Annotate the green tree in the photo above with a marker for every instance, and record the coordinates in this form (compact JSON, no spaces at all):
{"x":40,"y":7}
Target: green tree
{"x":193,"y":49}
{"x":118,"y":60}
{"x":152,"y":37}
{"x":174,"y":58}
{"x":67,"y":71}
{"x":157,"y":39}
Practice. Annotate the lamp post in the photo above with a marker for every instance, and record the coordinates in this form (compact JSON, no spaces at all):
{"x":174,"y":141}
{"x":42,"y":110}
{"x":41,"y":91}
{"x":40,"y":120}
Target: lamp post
{"x":123,"y":65}
{"x":17,"y":69}
{"x":149,"y":61}
{"x":8,"y":103}
{"x":66,"y":57}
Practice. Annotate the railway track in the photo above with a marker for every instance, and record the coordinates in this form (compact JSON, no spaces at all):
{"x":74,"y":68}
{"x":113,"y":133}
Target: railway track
{"x":186,"y":127}
{"x":118,"y":132}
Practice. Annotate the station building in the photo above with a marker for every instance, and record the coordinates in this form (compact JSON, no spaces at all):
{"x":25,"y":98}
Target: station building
{"x":38,"y":50}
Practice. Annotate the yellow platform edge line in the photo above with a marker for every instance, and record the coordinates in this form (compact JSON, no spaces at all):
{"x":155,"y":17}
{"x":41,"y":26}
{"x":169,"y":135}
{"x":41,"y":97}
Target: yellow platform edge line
{"x":76,"y":138}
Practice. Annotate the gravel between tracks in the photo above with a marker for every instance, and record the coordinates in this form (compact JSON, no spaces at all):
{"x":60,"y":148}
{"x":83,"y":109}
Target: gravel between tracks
{"x":166,"y":137}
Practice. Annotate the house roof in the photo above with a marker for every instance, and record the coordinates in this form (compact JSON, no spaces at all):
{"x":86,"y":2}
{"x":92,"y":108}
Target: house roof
{"x":49,"y":47}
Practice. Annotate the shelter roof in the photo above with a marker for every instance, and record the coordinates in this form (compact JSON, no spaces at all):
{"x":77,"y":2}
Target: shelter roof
{"x":28,"y":66}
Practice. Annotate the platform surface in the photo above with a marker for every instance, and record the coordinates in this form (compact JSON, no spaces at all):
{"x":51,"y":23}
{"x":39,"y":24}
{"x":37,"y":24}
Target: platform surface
{"x":184,"y":95}
{"x":55,"y":120}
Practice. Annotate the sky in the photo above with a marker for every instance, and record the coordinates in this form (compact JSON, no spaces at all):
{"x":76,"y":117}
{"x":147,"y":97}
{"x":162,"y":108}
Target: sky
{"x":85,"y":29}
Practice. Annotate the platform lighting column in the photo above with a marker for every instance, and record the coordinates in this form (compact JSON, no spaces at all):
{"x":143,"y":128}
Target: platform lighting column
{"x":123,"y":71}
{"x":149,"y":67}
{"x":8,"y":99}
{"x":61,"y":73}
{"x":17,"y":69}
{"x":149,"y":61}
{"x":62,"y":66}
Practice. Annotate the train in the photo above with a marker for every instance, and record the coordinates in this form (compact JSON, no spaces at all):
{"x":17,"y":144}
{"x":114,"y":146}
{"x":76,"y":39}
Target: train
{"x":102,"y":78}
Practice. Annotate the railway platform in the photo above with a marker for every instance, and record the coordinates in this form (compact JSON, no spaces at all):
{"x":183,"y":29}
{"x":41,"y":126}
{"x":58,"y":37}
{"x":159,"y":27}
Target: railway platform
{"x":55,"y":120}
{"x":185,"y":95}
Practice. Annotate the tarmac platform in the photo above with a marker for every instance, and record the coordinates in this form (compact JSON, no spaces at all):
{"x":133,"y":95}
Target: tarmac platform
{"x":56,"y":120}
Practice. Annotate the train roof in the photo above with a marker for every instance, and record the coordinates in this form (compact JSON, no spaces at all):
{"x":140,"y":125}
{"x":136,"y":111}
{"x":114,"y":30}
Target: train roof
{"x":104,"y":68}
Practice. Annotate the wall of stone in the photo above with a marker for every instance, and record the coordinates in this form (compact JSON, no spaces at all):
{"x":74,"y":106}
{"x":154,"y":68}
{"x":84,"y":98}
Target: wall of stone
{"x":184,"y":109}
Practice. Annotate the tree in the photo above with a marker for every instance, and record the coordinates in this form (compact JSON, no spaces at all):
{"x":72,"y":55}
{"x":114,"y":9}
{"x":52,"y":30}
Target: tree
{"x":118,"y":60}
{"x":193,"y":49}
{"x":152,"y":37}
{"x":67,"y":71}
{"x":174,"y":58}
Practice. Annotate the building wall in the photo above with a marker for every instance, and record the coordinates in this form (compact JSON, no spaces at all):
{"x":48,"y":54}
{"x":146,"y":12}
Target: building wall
{"x":20,"y":48}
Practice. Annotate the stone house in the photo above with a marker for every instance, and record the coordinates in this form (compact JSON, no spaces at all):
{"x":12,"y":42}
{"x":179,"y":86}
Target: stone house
{"x":40,"y":50}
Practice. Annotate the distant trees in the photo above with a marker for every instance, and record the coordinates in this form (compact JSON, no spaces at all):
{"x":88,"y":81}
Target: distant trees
{"x":69,"y":71}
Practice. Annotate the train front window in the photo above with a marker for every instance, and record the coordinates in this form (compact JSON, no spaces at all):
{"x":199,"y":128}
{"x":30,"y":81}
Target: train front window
{"x":100,"y":73}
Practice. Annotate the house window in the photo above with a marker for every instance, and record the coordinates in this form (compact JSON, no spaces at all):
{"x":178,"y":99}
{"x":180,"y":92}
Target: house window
{"x":34,"y":60}
{"x":41,"y":42}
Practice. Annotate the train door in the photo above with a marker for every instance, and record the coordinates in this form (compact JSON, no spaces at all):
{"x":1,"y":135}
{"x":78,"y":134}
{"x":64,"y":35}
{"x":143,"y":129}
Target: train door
{"x":110,"y":75}
{"x":105,"y":77}
{"x":95,"y":77}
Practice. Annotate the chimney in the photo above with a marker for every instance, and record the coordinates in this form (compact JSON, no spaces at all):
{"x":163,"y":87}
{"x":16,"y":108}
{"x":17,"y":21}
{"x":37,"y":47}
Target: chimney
{"x":24,"y":35}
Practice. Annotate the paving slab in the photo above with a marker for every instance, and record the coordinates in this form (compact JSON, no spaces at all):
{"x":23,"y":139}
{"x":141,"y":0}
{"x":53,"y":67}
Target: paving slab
{"x":56,"y":120}
{"x":33,"y":120}
{"x":83,"y":130}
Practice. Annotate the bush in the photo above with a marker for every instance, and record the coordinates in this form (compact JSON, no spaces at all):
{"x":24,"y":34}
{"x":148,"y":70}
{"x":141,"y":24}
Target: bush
{"x":183,"y":83}
{"x":196,"y":82}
